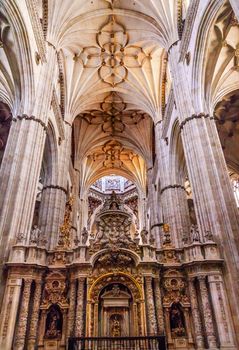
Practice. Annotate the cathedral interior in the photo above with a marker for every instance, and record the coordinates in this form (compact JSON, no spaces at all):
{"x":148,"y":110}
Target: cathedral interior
{"x":119,"y":174}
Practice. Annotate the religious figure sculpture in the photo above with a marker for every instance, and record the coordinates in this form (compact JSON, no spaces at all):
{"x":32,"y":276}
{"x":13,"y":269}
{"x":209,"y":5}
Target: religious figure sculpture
{"x":144,"y":235}
{"x":53,"y":324}
{"x":194,"y":233}
{"x":84,"y":236}
{"x":35,"y":234}
{"x":115,"y":329}
{"x":177,"y":321}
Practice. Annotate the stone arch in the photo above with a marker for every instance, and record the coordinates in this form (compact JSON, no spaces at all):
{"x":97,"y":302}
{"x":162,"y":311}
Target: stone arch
{"x":134,"y":286}
{"x":22,"y":88}
{"x":214,"y":75}
{"x":111,"y":277}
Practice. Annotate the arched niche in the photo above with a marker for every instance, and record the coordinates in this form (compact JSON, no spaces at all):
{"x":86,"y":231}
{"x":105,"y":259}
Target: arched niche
{"x":130,"y":292}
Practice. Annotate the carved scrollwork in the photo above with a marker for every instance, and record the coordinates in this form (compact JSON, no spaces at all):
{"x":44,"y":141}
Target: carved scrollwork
{"x":55,"y":290}
{"x":174,"y":288}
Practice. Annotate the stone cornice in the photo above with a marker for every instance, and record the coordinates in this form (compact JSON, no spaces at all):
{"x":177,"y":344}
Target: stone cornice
{"x":26,"y":117}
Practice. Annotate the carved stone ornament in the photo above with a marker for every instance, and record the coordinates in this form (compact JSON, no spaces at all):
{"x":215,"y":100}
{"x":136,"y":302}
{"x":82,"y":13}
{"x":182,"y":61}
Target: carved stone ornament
{"x":113,"y":278}
{"x":64,"y":241}
{"x":55,"y":290}
{"x":112,"y":115}
{"x":112,"y":55}
{"x":174,"y":288}
{"x":113,"y":231}
{"x":194,"y":233}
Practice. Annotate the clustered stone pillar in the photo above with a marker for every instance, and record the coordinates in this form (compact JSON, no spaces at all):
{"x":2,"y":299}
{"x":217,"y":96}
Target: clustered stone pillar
{"x":18,"y":178}
{"x":23,"y":316}
{"x":79,"y":320}
{"x":173,"y":199}
{"x":158,"y":306}
{"x":35,"y":315}
{"x":214,"y":201}
{"x":152,"y":323}
{"x":54,"y":192}
{"x":207,"y":313}
{"x":71,"y":313}
{"x":196,"y":314}
{"x":153,"y":205}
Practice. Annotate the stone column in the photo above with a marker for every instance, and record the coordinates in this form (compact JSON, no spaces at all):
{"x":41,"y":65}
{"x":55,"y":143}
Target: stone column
{"x":159,"y":306}
{"x":20,"y":170}
{"x":153,"y":205}
{"x":207,"y":313}
{"x":9,"y":312}
{"x":150,"y":307}
{"x":221,"y":312}
{"x":196,"y":315}
{"x":235,"y":6}
{"x":23,"y":316}
{"x":215,"y":205}
{"x":54,"y":192}
{"x":173,"y":197}
{"x":72,"y":308}
{"x":34,"y":322}
{"x":167,"y":326}
{"x":79,"y":320}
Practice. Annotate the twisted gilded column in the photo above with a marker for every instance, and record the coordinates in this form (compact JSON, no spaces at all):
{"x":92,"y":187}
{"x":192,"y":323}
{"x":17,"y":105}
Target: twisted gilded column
{"x":71,"y":313}
{"x":196,"y":314}
{"x":35,"y":316}
{"x":152,"y":323}
{"x":79,"y":320}
{"x":158,"y":305}
{"x":207,"y":313}
{"x":23,"y":316}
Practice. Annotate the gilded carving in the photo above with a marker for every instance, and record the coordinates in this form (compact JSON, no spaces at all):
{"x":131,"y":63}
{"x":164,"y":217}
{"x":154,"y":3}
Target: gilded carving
{"x":54,"y":290}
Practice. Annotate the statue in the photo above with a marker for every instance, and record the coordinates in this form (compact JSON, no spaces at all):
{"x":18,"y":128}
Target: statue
{"x":35,"y":234}
{"x":194,"y":233}
{"x":84,"y":236}
{"x":144,"y":236}
{"x":53,"y":324}
{"x":176,"y":320}
{"x":151,"y":239}
{"x":115,"y":329}
{"x":167,"y":236}
{"x":209,"y":236}
{"x":20,"y":237}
